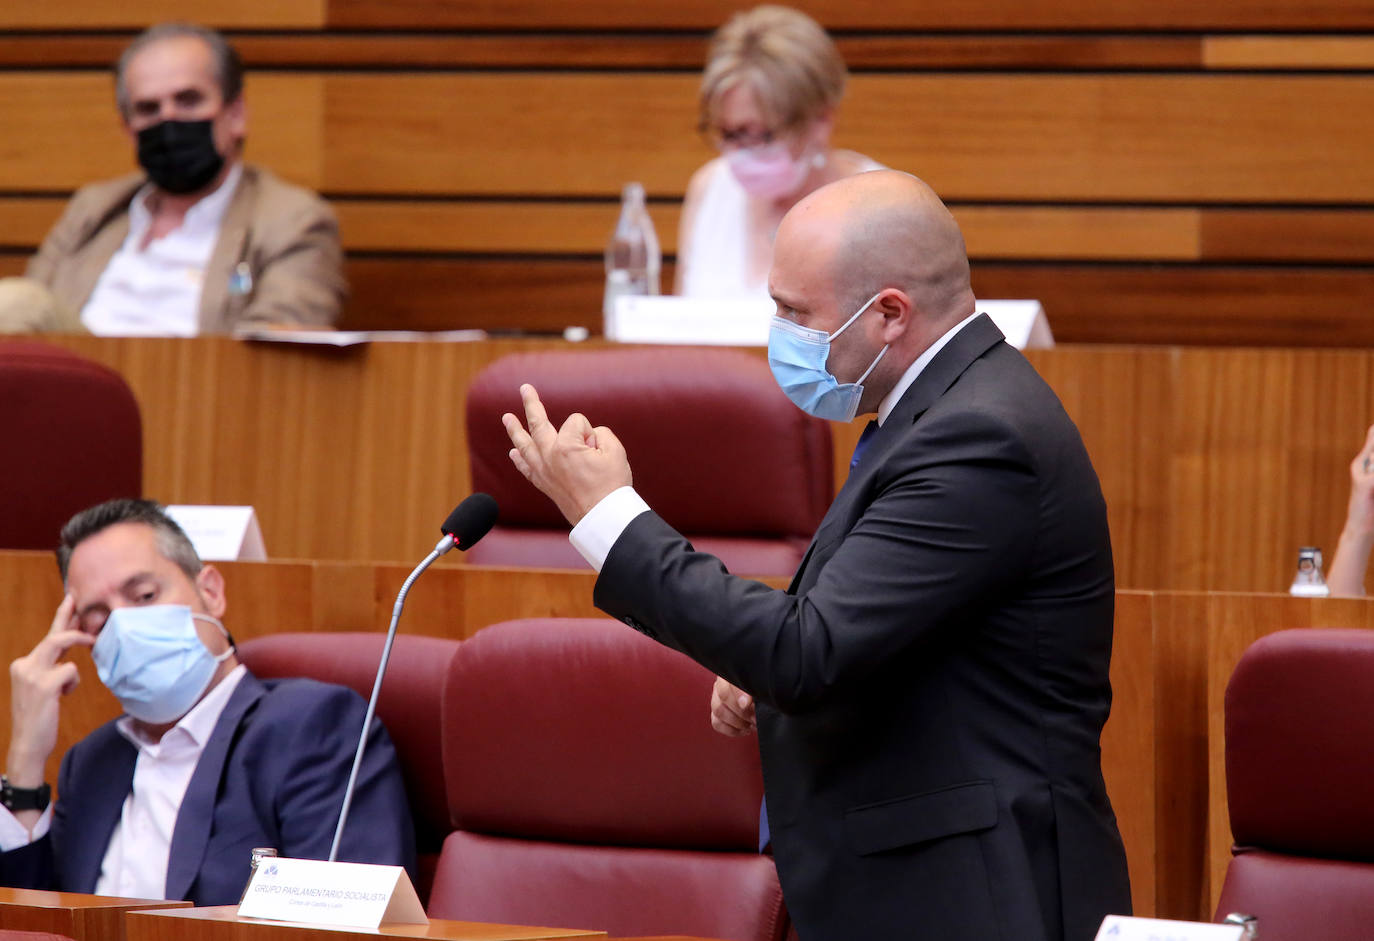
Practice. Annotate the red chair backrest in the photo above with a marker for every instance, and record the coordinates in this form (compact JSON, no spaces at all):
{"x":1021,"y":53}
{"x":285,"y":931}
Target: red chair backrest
{"x":716,"y":449}
{"x":1299,"y":778}
{"x":73,"y":437}
{"x":409,"y":707}
{"x":588,"y":790}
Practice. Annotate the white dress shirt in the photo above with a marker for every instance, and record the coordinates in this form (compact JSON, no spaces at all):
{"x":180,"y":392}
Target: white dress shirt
{"x":135,"y":863}
{"x":596,"y":532}
{"x":155,"y":291}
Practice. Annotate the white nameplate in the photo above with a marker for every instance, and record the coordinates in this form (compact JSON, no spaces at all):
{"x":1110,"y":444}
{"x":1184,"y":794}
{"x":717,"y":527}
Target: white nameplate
{"x":1023,"y":323}
{"x":351,"y":895}
{"x":1121,"y":928}
{"x":221,"y":533}
{"x":723,"y":321}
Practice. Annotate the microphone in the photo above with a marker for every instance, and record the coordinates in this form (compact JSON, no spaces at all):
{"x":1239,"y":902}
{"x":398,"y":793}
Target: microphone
{"x":469,"y":522}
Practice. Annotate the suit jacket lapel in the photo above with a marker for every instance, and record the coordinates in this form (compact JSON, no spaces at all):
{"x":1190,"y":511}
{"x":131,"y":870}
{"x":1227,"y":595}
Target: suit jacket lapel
{"x":940,"y":373}
{"x":101,"y":234}
{"x":192,"y":831}
{"x":227,"y":253}
{"x":95,"y":812}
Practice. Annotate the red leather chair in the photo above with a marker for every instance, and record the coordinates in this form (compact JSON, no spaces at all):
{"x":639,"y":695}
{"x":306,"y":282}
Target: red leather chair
{"x":589,"y":791}
{"x":715,"y":446}
{"x":1300,"y":785}
{"x":73,"y":439}
{"x":408,"y":707}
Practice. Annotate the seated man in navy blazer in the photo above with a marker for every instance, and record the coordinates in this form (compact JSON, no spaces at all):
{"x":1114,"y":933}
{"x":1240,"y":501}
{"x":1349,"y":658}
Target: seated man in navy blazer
{"x":208,"y":762}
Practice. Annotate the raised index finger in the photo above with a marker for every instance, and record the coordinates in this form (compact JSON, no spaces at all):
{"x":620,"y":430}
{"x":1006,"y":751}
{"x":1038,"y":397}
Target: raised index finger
{"x":65,"y":618}
{"x":536,"y":419}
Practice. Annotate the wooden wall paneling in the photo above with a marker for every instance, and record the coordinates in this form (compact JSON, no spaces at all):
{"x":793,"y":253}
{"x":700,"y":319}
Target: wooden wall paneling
{"x":1180,"y":765}
{"x":1258,"y":454}
{"x":1017,"y":51}
{"x":992,"y":232}
{"x":982,"y":136}
{"x":1288,"y":52}
{"x":682,"y":50}
{"x":1055,"y":232}
{"x":1086,"y":303}
{"x":491,"y":226}
{"x":506,"y":133}
{"x":65,"y":130}
{"x":1117,"y":137}
{"x":137,"y":14}
{"x":1286,"y":235}
{"x":1128,"y":744}
{"x":1229,"y":459}
{"x":1203,"y":306}
{"x":27,"y":220}
{"x":1235,"y":622}
{"x":1142,"y":15}
{"x":1121,"y":400}
{"x":530,"y":294}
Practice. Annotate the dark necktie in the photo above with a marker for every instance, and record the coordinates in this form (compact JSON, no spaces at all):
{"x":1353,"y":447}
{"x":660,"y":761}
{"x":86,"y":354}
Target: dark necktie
{"x":864,"y":439}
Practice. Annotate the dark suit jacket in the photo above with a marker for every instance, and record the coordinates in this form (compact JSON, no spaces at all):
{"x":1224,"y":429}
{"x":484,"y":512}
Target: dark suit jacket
{"x":932,"y":688}
{"x":272,"y":774}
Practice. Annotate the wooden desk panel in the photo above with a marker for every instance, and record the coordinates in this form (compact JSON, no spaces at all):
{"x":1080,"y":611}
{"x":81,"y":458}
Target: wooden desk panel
{"x":221,"y":923}
{"x":1216,"y":464}
{"x":74,"y":914}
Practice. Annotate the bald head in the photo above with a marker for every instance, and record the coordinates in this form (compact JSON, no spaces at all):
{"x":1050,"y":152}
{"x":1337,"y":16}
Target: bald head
{"x":886,"y":229}
{"x":880,"y":233}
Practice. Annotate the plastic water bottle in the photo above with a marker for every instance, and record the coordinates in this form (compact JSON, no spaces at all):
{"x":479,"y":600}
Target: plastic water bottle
{"x":632,"y":255}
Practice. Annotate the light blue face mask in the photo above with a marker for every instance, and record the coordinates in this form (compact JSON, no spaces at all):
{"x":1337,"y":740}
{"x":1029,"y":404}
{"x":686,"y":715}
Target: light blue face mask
{"x":798,"y":356}
{"x":153,"y":660}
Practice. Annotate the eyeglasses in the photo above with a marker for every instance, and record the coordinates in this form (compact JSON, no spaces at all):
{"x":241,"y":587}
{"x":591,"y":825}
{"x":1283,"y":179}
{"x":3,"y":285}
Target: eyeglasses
{"x":740,"y":138}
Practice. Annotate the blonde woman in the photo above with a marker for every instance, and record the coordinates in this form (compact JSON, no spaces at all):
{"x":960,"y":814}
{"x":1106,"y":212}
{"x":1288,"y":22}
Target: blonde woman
{"x":769,"y":93}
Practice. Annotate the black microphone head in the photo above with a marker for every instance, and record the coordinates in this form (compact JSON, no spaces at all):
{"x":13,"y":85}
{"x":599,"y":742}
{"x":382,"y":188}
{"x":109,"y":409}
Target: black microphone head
{"x":470,"y":520}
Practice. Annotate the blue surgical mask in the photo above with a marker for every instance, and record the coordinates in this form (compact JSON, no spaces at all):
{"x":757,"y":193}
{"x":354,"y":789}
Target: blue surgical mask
{"x":153,"y":660}
{"x":798,"y":355}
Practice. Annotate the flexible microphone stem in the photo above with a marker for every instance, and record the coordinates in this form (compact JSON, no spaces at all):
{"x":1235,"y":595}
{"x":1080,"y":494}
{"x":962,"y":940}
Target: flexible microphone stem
{"x":444,"y":545}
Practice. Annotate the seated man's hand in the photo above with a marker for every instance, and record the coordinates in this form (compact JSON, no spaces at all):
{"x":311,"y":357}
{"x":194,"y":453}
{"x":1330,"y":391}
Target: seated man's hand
{"x":38,"y":681}
{"x":732,"y":709}
{"x":576,"y":466}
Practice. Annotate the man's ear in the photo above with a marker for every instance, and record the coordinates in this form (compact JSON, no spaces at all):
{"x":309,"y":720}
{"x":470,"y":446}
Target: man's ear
{"x":236,"y":118}
{"x":897,"y":311}
{"x":210,"y":585}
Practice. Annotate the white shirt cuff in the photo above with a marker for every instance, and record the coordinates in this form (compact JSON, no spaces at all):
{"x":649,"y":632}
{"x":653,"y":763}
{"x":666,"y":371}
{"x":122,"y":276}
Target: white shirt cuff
{"x":596,"y":532}
{"x":13,"y":834}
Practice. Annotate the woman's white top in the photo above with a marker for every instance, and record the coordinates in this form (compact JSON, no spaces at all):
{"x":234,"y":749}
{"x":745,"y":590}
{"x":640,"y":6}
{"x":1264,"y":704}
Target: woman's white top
{"x":717,"y":260}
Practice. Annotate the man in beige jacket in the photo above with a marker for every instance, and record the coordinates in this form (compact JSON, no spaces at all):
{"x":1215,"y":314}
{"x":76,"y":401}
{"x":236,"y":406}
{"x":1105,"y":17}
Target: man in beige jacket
{"x":198,"y":242}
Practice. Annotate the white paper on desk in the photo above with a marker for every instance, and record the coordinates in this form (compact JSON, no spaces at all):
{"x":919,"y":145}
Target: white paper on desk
{"x":733,"y":321}
{"x":743,"y":321}
{"x":1122,"y":928}
{"x":352,"y":895}
{"x":221,"y":533}
{"x":357,"y":337}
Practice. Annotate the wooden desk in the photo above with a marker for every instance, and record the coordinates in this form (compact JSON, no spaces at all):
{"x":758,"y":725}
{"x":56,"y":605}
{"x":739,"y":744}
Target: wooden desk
{"x":1216,"y":464}
{"x":221,"y":923}
{"x":74,"y":914}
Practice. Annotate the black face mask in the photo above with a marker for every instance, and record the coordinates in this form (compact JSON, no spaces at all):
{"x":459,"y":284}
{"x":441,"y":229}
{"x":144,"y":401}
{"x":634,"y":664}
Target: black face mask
{"x":180,"y":156}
